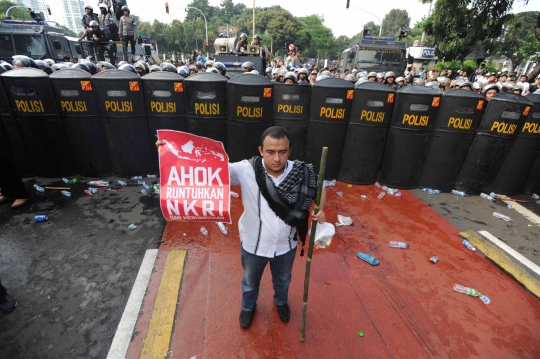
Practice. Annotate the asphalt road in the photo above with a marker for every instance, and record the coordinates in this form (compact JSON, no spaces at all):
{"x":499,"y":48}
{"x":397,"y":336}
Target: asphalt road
{"x":73,"y":274}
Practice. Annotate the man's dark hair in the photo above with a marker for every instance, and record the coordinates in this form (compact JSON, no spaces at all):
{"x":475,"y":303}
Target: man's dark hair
{"x":277,"y":133}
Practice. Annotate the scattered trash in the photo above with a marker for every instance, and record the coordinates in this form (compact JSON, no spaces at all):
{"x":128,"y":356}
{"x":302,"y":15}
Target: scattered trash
{"x":488,"y":197}
{"x":381,"y":195}
{"x":340,"y":194}
{"x":434,"y":259}
{"x":392,"y":191}
{"x":204,"y":231}
{"x":368,"y":258}
{"x":398,"y":244}
{"x":364,"y":197}
{"x":66,"y":193}
{"x":39,"y":188}
{"x":384,"y":188}
{"x":331,"y":183}
{"x":431,"y":191}
{"x":529,"y":225}
{"x":537,"y":202}
{"x":459,"y":193}
{"x":146,"y":186}
{"x":70,"y":181}
{"x":397,"y":194}
{"x":469,"y":291}
{"x":502,"y":216}
{"x":343,"y":221}
{"x":234,"y":194}
{"x":98,"y":183}
{"x":151,"y":176}
{"x":324,"y":234}
{"x":222,"y":228}
{"x":156,"y":188}
{"x":136,"y":178}
{"x":535,"y":196}
{"x":510,"y":206}
{"x":349,"y":185}
{"x":469,"y":245}
{"x":93,"y":190}
{"x":143,"y":191}
{"x":361,"y":334}
{"x":184,"y":234}
{"x":493,"y":194}
{"x":88,"y":192}
{"x":377,"y":184}
{"x":121,"y":183}
{"x":41,"y":218}
{"x":132,"y":226}
{"x":374,"y":247}
{"x":485,"y":299}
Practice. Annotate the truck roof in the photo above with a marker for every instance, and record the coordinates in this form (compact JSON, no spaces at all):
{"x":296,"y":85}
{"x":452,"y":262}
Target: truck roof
{"x":388,"y":42}
{"x":28,"y":27}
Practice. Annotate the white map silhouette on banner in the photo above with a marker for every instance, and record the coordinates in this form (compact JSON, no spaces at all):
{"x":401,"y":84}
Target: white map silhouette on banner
{"x":193,"y":153}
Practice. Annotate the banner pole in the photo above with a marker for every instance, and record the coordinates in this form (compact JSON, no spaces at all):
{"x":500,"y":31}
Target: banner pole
{"x":322,"y":170}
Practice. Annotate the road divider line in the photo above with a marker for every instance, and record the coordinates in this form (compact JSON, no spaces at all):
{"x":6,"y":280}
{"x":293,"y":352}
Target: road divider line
{"x":158,"y":339}
{"x":525,"y":212}
{"x":123,"y":334}
{"x":511,"y":251}
{"x":501,"y":259}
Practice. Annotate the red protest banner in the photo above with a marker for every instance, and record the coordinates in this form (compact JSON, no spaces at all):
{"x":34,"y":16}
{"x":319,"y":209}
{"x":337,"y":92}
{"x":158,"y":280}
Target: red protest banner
{"x":194,"y":178}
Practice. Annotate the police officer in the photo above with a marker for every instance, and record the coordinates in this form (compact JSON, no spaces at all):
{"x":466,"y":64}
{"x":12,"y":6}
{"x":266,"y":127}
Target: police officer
{"x":127,"y":31}
{"x":106,"y":16}
{"x":85,"y":22}
{"x":247,"y":66}
{"x":97,"y":35}
{"x":263,"y":50}
{"x":303,"y":77}
{"x":490,"y":90}
{"x":372,"y":76}
{"x":390,"y":79}
{"x":241,"y":46}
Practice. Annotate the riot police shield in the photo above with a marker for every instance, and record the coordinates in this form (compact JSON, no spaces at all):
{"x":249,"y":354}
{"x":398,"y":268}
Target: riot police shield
{"x":459,"y":116}
{"x":412,"y":125}
{"x":370,"y":117}
{"x":331,"y":100}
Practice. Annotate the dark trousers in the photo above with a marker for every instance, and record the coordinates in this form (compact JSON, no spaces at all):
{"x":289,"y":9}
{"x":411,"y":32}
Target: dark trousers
{"x":3,"y":293}
{"x":11,"y":184}
{"x":131,"y":40}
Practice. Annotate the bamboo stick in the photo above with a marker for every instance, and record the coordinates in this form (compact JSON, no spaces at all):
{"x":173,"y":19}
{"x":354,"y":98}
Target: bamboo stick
{"x":322,"y":170}
{"x":57,"y":188}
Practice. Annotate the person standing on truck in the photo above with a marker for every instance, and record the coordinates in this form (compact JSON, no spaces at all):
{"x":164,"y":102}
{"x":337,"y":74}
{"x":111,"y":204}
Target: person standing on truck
{"x":111,"y":30}
{"x":241,"y":46}
{"x":128,"y":31}
{"x":85,"y":22}
{"x":98,"y":36}
{"x":263,"y":50}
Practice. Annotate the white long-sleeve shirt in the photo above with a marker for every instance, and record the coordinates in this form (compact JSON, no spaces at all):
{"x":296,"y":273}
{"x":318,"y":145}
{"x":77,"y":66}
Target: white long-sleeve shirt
{"x":261,"y":231}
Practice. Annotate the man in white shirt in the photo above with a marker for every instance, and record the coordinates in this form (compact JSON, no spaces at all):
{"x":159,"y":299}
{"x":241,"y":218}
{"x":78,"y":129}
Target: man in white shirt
{"x":523,"y":82}
{"x":277,"y":195}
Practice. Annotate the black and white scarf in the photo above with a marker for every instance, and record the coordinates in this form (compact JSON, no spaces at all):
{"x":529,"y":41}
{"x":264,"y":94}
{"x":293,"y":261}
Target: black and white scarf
{"x":293,"y":198}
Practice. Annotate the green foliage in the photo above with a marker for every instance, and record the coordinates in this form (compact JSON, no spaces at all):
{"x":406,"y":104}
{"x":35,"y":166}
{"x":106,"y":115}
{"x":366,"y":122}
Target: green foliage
{"x":323,"y":43}
{"x":518,"y":40}
{"x":17,"y":13}
{"x":67,"y":31}
{"x":469,"y":66}
{"x":395,"y":19}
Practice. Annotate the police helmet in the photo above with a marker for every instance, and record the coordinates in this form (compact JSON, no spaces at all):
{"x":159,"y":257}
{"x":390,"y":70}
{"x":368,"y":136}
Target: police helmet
{"x":194,"y":68}
{"x":243,"y":35}
{"x":372,"y":74}
{"x":326,"y":73}
{"x":49,"y":62}
{"x":2,"y":68}
{"x":81,"y":66}
{"x":122,"y":63}
{"x":274,"y":71}
{"x":68,"y":63}
{"x":247,"y":65}
{"x":155,"y":68}
{"x":88,"y":6}
{"x":104,"y":65}
{"x":41,"y":64}
{"x":400,"y":79}
{"x":418,"y":82}
{"x":269,"y":70}
{"x":167,"y":66}
{"x":477,"y":85}
{"x":182,"y":72}
{"x":58,"y":67}
{"x":303,"y":71}
{"x":508,"y":87}
{"x":457,"y":83}
{"x":214,"y":70}
{"x":125,"y":8}
{"x":255,"y":72}
{"x":361,"y":81}
{"x":146,"y":67}
{"x":209,"y":63}
{"x":390,"y":74}
{"x":380,"y":75}
{"x":223,"y":35}
{"x":519,"y":87}
{"x":103,"y":6}
{"x":127,"y":67}
{"x":8,"y":66}
{"x":290,"y":76}
{"x":94,"y":23}
{"x":490,"y":87}
{"x":25,"y":60}
{"x":218,"y":65}
{"x":257,"y":37}
{"x":282,"y":72}
{"x":466,"y":84}
{"x":322,"y":77}
{"x":139,"y":65}
{"x":350,"y":78}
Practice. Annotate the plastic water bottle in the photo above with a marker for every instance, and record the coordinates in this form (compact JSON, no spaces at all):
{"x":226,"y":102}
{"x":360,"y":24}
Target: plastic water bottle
{"x":222,"y":228}
{"x":66,"y":193}
{"x":121,"y":183}
{"x":398,"y":244}
{"x":340,"y":194}
{"x":65,"y":180}
{"x":488,"y":197}
{"x":535,"y":196}
{"x":136,"y":178}
{"x":381,"y":195}
{"x":146,"y":186}
{"x":384,"y":188}
{"x":397,"y":194}
{"x":493,"y":194}
{"x":502,"y":216}
{"x":392,"y":191}
{"x":377,"y":184}
{"x":510,"y":206}
{"x":204,"y":231}
{"x":431,"y":191}
{"x":92,"y":190}
{"x":364,"y":197}
{"x":234,"y":194}
{"x":143,"y":191}
{"x":459,"y":193}
{"x":141,"y":182}
{"x":98,"y":183}
{"x":469,"y":245}
{"x":41,"y":218}
{"x":331,"y":183}
{"x":39,"y":188}
{"x":469,"y":291}
{"x":151,"y":176}
{"x":132,"y":226}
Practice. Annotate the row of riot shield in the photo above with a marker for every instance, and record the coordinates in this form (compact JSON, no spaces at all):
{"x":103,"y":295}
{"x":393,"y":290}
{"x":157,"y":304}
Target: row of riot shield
{"x":72,"y":123}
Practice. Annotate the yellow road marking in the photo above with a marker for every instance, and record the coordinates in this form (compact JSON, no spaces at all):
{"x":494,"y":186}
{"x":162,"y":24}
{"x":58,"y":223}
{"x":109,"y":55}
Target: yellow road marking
{"x":502,"y":260}
{"x":157,"y":341}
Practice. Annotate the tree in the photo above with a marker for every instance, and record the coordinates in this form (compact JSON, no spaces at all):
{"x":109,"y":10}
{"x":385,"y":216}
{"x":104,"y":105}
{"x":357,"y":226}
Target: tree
{"x":17,"y":13}
{"x":342,"y":42}
{"x":517,"y":40}
{"x":322,"y":38}
{"x":395,"y":19}
{"x":67,"y":31}
{"x":202,"y":5}
{"x":459,"y":27}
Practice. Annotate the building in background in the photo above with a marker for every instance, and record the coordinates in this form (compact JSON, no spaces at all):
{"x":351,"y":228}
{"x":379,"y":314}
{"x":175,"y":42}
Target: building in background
{"x":73,"y":13}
